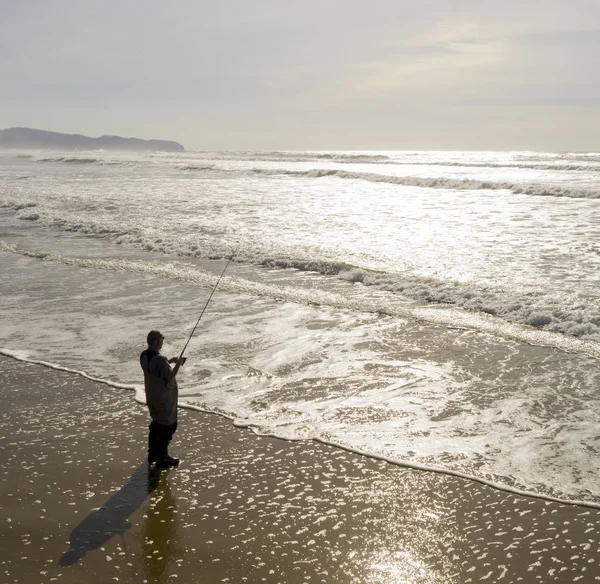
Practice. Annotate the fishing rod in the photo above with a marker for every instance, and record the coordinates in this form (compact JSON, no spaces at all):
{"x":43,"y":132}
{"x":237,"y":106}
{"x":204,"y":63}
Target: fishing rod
{"x":200,"y":317}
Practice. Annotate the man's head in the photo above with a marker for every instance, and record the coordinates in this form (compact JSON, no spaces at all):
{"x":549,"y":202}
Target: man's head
{"x":155,"y":339}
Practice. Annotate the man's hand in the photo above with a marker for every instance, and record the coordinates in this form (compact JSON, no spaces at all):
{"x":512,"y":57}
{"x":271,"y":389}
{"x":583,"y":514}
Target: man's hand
{"x":178,"y":363}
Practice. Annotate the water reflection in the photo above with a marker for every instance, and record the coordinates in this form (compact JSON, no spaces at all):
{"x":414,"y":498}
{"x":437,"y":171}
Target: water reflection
{"x":159,"y":533}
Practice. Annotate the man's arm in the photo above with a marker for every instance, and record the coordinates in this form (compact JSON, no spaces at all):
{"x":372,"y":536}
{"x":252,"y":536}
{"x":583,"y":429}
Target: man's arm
{"x":178,"y":363}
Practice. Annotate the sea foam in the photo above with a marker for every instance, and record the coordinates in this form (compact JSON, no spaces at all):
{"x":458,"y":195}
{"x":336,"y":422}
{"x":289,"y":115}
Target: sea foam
{"x":535,"y":320}
{"x":567,"y":314}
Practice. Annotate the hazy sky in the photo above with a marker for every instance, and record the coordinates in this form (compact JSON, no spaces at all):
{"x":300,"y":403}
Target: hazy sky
{"x":287,"y":74}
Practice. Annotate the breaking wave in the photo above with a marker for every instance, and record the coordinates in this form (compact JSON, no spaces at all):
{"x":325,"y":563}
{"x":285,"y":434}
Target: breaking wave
{"x":70,"y":160}
{"x":17,"y":206}
{"x":534,"y":312}
{"x":532,"y":166}
{"x":87,"y":160}
{"x":342,"y":157}
{"x":533,"y":189}
{"x":568,"y":315}
{"x":196,"y":167}
{"x":303,"y":156}
{"x":559,"y":313}
{"x":554,"y":163}
{"x":583,"y":156}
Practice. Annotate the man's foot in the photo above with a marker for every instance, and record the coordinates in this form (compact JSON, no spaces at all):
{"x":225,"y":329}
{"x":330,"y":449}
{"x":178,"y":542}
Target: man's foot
{"x":166,"y":462}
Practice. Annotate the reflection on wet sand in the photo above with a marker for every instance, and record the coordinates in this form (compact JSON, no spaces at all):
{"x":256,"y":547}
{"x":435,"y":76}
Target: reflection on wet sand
{"x":158,"y":545}
{"x":250,"y":509}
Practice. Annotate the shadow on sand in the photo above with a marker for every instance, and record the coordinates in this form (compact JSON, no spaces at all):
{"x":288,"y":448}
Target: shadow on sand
{"x":112,"y":518}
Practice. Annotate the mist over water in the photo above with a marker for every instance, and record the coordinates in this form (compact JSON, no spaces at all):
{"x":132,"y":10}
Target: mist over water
{"x":435,"y":308}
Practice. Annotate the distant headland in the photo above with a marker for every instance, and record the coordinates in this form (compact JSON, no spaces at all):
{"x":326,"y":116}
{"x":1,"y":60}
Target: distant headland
{"x":41,"y":139}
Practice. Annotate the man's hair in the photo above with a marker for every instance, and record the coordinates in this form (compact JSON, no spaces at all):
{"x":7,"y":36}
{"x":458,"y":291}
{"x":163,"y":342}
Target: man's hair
{"x":154,"y":336}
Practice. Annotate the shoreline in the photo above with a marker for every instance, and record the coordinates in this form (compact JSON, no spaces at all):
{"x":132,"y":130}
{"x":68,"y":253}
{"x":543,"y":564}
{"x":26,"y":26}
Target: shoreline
{"x":392,"y":461}
{"x":79,"y":504}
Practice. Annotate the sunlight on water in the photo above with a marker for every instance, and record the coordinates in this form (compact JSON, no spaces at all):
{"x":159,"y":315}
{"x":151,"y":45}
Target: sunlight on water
{"x":432,"y":308}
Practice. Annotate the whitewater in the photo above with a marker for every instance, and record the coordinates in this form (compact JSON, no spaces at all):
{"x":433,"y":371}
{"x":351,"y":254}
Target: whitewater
{"x":436,"y":309}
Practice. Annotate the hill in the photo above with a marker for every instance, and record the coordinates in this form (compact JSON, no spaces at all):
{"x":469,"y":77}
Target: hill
{"x":41,"y":139}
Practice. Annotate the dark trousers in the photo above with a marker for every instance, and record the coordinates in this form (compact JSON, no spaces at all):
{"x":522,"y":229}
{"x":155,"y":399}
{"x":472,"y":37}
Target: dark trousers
{"x":159,"y":438}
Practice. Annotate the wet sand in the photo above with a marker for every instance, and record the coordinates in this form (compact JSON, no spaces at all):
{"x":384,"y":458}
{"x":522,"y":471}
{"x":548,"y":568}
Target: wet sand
{"x":79,"y":505}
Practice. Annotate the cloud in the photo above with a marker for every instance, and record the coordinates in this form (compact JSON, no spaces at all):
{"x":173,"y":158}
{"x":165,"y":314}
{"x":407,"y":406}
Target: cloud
{"x":458,"y":61}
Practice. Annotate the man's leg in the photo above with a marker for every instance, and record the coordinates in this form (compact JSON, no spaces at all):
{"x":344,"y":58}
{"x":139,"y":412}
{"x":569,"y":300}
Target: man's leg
{"x":166,"y":435}
{"x":170,"y":430}
{"x":154,"y":442}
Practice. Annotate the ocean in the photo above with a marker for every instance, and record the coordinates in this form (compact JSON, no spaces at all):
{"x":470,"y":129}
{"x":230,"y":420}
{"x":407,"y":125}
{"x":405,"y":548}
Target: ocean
{"x":435,"y":309}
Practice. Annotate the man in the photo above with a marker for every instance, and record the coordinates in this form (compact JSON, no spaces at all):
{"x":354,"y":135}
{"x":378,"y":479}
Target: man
{"x":161,"y":396}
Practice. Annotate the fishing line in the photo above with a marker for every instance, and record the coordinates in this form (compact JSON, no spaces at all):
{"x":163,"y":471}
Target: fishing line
{"x":200,"y":317}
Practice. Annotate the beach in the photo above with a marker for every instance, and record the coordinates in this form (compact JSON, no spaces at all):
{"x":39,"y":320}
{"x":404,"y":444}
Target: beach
{"x":367,"y":241}
{"x":79,"y":505}
{"x":395,"y":380}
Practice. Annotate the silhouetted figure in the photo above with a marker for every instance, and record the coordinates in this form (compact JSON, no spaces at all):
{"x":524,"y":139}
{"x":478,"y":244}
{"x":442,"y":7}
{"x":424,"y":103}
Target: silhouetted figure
{"x":161,"y":396}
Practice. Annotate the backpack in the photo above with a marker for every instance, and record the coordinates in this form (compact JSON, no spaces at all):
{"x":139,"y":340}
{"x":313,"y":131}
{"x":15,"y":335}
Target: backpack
{"x":150,"y":353}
